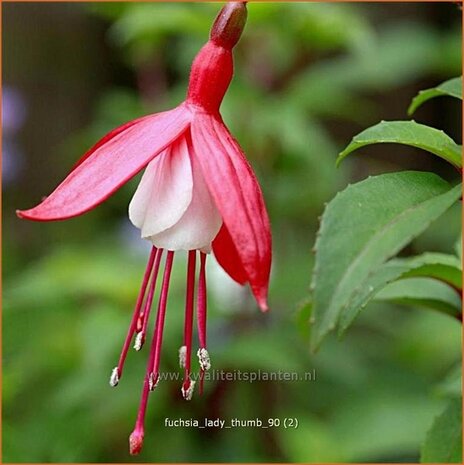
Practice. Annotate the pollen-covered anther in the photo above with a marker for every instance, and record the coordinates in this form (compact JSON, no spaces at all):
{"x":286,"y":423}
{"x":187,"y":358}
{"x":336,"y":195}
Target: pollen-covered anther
{"x":139,"y":340}
{"x":182,"y":356}
{"x":114,"y":378}
{"x":203,"y":358}
{"x":187,"y":389}
{"x":152,"y":381}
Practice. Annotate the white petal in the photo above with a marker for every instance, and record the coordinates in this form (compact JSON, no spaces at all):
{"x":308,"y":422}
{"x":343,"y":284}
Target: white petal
{"x":200,"y":223}
{"x":164,"y":192}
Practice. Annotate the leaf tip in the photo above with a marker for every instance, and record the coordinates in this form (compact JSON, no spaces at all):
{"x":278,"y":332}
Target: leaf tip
{"x":341,"y":156}
{"x":411,"y":109}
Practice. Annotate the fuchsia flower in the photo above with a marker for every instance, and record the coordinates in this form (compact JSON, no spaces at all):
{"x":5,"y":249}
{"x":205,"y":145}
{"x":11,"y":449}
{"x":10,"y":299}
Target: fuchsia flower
{"x":198,"y":193}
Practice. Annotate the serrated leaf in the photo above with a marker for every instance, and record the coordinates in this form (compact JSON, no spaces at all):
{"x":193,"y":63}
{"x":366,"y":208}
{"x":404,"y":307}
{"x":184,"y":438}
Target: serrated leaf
{"x":443,"y":443}
{"x":444,"y":267}
{"x":451,"y":88}
{"x":407,"y":133}
{"x":423,"y":292}
{"x":362,"y":227}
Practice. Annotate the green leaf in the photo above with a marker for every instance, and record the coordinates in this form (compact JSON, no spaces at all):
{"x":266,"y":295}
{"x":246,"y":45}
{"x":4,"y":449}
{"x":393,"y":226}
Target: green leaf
{"x":444,"y":267}
{"x":443,"y":443}
{"x":362,"y":227}
{"x":423,"y":292}
{"x":451,"y":88}
{"x":387,"y":273}
{"x":458,"y":248}
{"x":303,"y":315}
{"x":408,"y":133}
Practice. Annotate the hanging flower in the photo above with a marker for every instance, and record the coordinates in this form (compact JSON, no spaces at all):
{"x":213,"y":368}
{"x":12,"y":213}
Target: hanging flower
{"x":198,"y":194}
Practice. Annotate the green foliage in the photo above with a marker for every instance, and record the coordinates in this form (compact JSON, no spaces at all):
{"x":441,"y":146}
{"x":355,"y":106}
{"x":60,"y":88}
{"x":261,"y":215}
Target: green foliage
{"x":408,"y":133}
{"x":362,"y":227}
{"x":412,"y":133}
{"x":446,"y":268}
{"x":444,"y":440}
{"x":371,"y":221}
{"x":423,"y":292}
{"x":451,"y":88}
{"x":349,"y":228}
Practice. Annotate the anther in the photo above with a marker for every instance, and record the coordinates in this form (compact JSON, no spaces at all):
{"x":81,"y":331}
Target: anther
{"x":187,"y":393}
{"x":183,"y":356}
{"x":114,"y":378}
{"x":139,"y":340}
{"x":203,"y":358}
{"x":152,"y":381}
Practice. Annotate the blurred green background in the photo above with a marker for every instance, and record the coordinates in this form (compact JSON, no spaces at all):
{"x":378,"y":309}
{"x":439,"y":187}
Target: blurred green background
{"x":308,"y":77}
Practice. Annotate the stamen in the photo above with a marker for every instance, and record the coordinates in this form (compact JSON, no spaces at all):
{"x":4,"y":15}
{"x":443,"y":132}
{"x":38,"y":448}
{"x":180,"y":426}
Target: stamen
{"x":114,"y":378}
{"x":138,"y":341}
{"x":158,"y":333}
{"x":152,"y":381}
{"x":145,"y":314}
{"x":130,"y":332}
{"x":182,"y":356}
{"x":203,"y":358}
{"x":201,"y":302}
{"x":188,"y":325}
{"x":187,"y":389}
{"x":202,"y":353}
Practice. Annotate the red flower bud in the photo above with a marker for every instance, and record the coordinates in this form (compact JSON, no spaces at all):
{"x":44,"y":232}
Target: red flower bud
{"x":229,"y":24}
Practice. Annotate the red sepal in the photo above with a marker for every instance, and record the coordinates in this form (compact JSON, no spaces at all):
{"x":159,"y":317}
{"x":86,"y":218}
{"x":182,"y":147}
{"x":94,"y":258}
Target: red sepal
{"x":227,"y":256}
{"x":110,"y":165}
{"x":238,"y":198}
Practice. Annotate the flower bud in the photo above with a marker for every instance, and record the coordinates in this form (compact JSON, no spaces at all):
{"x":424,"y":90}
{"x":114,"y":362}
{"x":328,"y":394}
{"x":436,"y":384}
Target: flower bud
{"x":229,"y":24}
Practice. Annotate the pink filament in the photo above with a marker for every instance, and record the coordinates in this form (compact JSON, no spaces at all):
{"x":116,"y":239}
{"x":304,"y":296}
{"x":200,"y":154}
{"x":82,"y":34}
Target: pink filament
{"x":201,"y":311}
{"x":157,"y":342}
{"x":189,"y":314}
{"x":130,"y":332}
{"x":151,"y":293}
